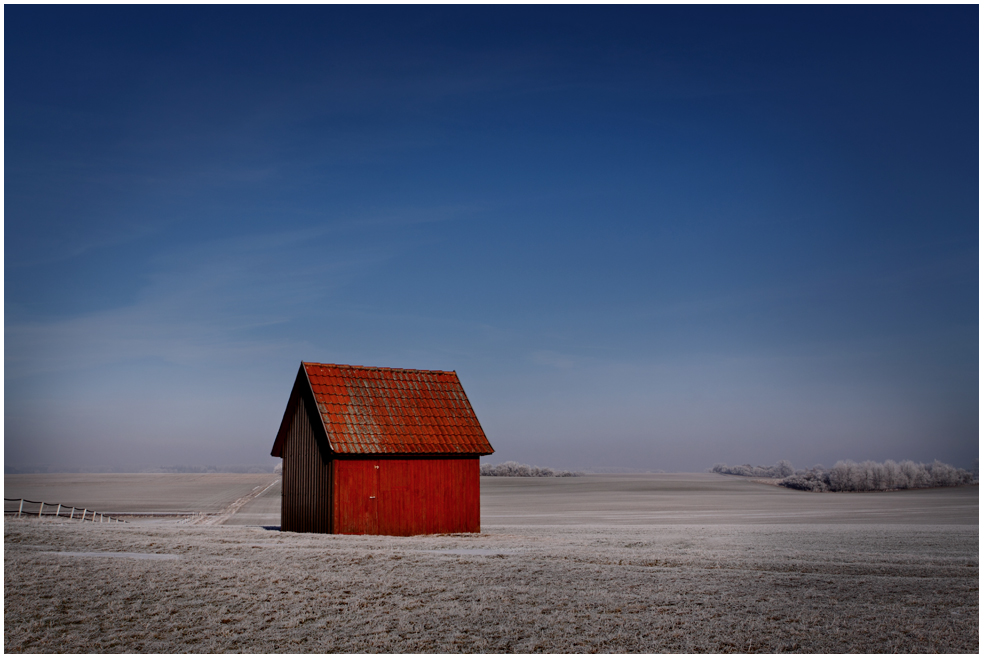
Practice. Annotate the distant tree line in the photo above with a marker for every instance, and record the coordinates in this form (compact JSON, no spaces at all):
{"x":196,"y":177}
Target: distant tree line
{"x":849,"y":476}
{"x":778,"y":471}
{"x":514,"y":469}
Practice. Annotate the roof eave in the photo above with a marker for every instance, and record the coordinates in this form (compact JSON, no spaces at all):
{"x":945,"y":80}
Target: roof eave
{"x":314,"y":400}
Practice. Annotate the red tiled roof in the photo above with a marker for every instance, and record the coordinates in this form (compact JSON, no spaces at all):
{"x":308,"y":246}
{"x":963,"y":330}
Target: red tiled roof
{"x":374,"y":410}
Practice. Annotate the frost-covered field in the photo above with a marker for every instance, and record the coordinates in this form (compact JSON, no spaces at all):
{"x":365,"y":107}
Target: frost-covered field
{"x":614,"y":563}
{"x":208,"y":493}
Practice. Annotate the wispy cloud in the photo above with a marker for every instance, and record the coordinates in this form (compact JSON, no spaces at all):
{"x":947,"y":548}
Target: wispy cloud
{"x":211,"y":302}
{"x":63,"y":250}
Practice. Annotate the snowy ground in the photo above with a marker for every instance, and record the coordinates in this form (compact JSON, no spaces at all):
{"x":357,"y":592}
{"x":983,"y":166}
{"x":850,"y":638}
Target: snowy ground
{"x":614,"y":563}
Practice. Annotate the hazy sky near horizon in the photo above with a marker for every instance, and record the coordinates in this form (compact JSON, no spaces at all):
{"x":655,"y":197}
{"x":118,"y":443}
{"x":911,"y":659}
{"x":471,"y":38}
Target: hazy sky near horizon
{"x":648,"y":236}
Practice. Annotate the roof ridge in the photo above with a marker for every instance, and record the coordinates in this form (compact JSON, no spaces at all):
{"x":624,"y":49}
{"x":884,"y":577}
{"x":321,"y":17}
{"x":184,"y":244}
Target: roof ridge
{"x":360,"y":366}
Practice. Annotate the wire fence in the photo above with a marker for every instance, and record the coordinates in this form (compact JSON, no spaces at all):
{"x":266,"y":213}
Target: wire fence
{"x":21,"y":508}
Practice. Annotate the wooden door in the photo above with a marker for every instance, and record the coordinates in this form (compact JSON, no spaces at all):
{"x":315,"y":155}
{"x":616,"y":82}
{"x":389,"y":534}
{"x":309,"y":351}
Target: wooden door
{"x":357,"y":496}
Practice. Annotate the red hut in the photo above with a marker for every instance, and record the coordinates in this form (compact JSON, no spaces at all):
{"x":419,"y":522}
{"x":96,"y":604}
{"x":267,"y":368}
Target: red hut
{"x":371,"y":450}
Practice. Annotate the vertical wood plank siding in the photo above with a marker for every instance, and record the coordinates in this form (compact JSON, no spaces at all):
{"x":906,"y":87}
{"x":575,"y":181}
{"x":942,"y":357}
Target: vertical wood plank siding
{"x":306,"y":504}
{"x":406,"y":496}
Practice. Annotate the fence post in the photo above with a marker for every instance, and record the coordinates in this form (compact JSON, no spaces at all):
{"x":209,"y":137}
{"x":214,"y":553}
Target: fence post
{"x":20,"y":508}
{"x":72,"y":516}
{"x":58,"y":510}
{"x":100,"y":517}
{"x":40,"y":509}
{"x":84,"y":514}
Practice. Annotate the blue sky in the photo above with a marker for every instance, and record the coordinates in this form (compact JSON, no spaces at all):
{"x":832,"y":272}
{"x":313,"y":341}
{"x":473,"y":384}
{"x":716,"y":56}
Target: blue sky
{"x":651,"y":237}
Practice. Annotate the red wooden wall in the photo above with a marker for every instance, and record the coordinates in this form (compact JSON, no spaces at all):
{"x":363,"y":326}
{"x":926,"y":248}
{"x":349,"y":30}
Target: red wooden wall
{"x":405,"y":496}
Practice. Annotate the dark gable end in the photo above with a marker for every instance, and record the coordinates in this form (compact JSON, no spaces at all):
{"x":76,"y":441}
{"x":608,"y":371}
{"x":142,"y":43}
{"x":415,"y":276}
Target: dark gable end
{"x":306,"y":491}
{"x":301,"y":395}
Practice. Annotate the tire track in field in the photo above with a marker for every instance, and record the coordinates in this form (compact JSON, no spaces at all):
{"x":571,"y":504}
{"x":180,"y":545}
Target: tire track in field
{"x":230,"y":511}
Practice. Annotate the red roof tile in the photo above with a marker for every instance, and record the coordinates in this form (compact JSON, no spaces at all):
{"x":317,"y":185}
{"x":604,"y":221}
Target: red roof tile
{"x":376,"y":410}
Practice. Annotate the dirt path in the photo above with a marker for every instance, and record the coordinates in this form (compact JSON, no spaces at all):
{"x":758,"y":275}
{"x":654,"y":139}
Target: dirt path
{"x":232,"y":509}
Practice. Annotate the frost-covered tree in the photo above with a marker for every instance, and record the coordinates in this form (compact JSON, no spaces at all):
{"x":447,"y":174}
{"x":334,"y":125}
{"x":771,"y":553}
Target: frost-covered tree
{"x":778,"y":471}
{"x":849,"y":476}
{"x":514,"y":469}
{"x":784,"y":468}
